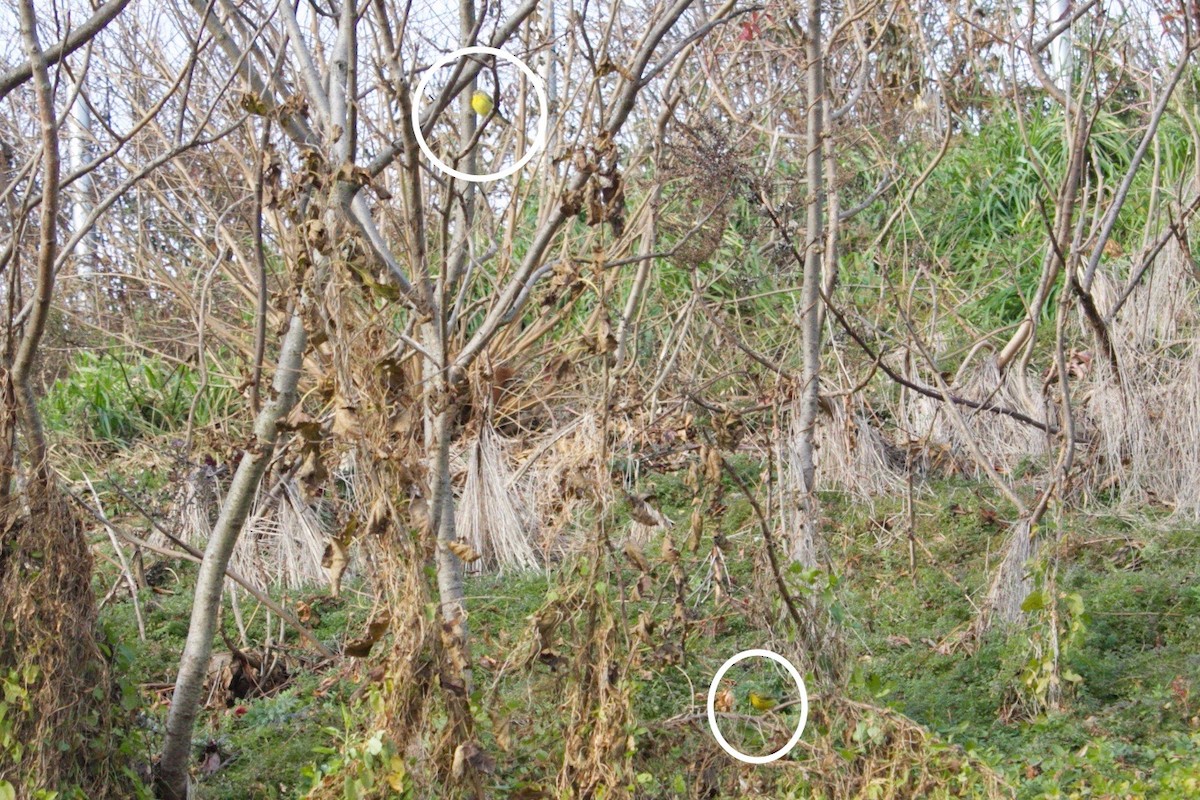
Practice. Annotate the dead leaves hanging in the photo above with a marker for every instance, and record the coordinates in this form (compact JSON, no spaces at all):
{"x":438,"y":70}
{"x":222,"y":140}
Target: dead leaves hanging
{"x":311,"y":473}
{"x":361,"y":647}
{"x":466,"y":553}
{"x":336,"y":557}
{"x":641,"y":511}
{"x":602,"y":198}
{"x":469,"y":754}
{"x":636,"y":556}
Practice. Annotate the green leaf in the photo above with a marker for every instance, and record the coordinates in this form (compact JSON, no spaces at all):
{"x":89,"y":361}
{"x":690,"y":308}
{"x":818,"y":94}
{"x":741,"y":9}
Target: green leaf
{"x":7,"y":792}
{"x":1074,"y":604}
{"x":1036,"y":601}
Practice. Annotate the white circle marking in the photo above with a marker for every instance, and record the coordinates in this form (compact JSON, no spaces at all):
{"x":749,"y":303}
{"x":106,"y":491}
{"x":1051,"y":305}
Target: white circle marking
{"x":539,"y":139}
{"x":712,"y":716}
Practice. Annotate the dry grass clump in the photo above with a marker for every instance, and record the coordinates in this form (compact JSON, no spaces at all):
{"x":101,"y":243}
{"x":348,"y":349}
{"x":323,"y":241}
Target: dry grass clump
{"x":519,"y":498}
{"x":562,"y":473}
{"x":853,"y":454}
{"x":1138,"y":421}
{"x":1144,"y":417}
{"x":1146,"y":429}
{"x":1163,"y":308}
{"x":282,"y":542}
{"x":492,"y":515}
{"x":1011,"y":582}
{"x":897,"y":758}
{"x":1002,"y":441}
{"x":894,"y":758}
{"x":196,"y":504}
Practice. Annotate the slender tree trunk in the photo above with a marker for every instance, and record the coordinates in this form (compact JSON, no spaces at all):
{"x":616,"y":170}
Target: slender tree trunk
{"x":46,"y":597}
{"x":22,"y":366}
{"x":441,"y":407}
{"x":633,"y":300}
{"x":464,"y":212}
{"x":804,"y":546}
{"x":449,"y":567}
{"x":193,"y":666}
{"x":81,"y":134}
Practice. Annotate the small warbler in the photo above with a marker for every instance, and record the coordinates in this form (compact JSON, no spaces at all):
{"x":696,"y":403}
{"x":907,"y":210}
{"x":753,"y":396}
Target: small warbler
{"x":761,"y":702}
{"x":482,"y":104}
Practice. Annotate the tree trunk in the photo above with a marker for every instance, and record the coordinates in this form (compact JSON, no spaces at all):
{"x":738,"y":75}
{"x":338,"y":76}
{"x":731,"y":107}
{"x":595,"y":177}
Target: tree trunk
{"x":804,"y":545}
{"x":449,"y":566}
{"x":193,"y":666}
{"x":46,"y":597}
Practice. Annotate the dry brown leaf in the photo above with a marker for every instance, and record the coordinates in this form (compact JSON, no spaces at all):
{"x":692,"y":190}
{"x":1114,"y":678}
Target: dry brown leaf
{"x":312,"y":472}
{"x":712,"y":464}
{"x":212,"y":759}
{"x":727,"y":430}
{"x":669,"y":553}
{"x":345,"y":420}
{"x":697,"y":530}
{"x":635,"y":554}
{"x":646,"y":514}
{"x":358,"y":648}
{"x":418,"y":513}
{"x":453,"y":684}
{"x":464,"y":551}
{"x":336,"y":557}
{"x":530,"y":793}
{"x":361,"y":648}
{"x":378,"y":519}
{"x":470,"y":754}
{"x":644,"y":629}
{"x":335,"y":560}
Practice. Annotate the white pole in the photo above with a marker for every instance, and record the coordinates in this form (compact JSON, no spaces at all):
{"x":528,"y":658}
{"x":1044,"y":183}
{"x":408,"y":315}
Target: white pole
{"x":1060,"y":48}
{"x":80,"y":132}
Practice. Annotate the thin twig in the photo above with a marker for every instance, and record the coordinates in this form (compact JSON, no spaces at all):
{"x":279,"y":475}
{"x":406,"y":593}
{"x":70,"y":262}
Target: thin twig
{"x":129,"y":581}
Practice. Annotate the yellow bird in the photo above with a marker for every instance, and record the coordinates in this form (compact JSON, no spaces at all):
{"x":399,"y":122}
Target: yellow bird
{"x":761,"y":702}
{"x":482,"y":104}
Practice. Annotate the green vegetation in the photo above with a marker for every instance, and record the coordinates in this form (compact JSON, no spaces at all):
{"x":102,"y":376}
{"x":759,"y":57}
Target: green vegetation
{"x":1130,"y":726}
{"x":864,"y":333}
{"x":111,"y":397}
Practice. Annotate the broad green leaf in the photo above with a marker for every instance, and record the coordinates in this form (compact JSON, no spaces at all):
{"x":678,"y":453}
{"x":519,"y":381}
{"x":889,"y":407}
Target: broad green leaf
{"x":1036,"y":601}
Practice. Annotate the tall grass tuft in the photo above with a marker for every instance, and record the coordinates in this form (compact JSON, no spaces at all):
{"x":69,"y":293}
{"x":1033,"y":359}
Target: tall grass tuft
{"x":113,"y":397}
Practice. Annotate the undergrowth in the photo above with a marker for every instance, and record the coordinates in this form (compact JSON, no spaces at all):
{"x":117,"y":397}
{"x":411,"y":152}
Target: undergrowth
{"x":1130,"y":727}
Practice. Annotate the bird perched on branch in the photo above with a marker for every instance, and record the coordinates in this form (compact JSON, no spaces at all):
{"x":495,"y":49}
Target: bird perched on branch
{"x":483,"y":105}
{"x":762,"y":702}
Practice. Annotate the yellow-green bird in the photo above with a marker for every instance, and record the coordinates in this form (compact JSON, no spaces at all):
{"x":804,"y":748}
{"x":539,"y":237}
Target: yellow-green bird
{"x":761,"y":702}
{"x":482,"y":104}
